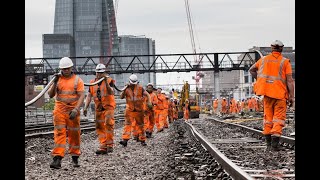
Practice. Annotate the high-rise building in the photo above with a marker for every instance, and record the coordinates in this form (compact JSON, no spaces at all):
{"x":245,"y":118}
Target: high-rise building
{"x":82,"y":28}
{"x":136,"y":45}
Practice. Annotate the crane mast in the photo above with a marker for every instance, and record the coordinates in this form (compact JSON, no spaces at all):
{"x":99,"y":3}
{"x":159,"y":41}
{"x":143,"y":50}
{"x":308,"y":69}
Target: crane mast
{"x":198,"y":63}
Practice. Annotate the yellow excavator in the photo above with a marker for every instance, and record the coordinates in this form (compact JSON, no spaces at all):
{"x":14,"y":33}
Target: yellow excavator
{"x":193,"y":102}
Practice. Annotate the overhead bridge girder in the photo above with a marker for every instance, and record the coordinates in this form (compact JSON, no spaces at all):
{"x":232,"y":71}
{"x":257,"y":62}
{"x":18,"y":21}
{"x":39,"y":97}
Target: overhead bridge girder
{"x":159,"y":63}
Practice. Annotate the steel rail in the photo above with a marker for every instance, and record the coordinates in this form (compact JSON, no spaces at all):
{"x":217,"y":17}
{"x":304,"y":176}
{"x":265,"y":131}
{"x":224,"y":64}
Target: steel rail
{"x":94,"y":83}
{"x":40,"y":94}
{"x":51,"y":82}
{"x":233,"y":170}
{"x":283,"y":139}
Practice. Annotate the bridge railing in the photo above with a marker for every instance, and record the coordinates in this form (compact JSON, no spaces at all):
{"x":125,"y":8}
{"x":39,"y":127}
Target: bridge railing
{"x":160,"y":63}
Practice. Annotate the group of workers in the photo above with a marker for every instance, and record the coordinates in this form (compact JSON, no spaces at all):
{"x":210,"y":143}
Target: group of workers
{"x":224,"y":107}
{"x":146,"y":108}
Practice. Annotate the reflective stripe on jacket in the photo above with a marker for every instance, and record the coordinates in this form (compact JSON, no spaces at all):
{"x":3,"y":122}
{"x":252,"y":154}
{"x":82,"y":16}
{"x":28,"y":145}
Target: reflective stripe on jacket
{"x":134,"y":98}
{"x":271,"y":76}
{"x":106,"y":98}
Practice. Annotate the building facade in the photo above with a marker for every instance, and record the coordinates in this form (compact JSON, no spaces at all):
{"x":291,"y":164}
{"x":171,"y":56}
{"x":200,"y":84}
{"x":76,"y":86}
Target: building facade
{"x":136,"y":45}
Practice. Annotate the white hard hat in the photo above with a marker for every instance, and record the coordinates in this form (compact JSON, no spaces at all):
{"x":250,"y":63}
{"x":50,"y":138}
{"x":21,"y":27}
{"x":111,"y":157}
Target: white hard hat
{"x":163,"y":92}
{"x":133,"y":79}
{"x":100,"y":68}
{"x":65,"y":62}
{"x":150,"y":84}
{"x":277,"y":43}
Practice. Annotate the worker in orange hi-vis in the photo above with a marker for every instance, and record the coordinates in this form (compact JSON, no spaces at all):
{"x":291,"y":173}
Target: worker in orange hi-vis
{"x":233,"y":106}
{"x":237,"y":106}
{"x":165,"y":110}
{"x":68,"y":90}
{"x":242,"y":105}
{"x":170,"y":110}
{"x":175,"y":109}
{"x":186,"y":110}
{"x":134,"y":94}
{"x":159,"y":108}
{"x":215,"y":106}
{"x":250,"y":104}
{"x":246,"y":105}
{"x":105,"y":104}
{"x":223,"y":106}
{"x":275,"y":83}
{"x":149,"y":118}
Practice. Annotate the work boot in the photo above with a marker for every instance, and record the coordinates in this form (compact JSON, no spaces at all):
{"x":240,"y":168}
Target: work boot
{"x":148,"y":135}
{"x":143,"y":143}
{"x":268,"y":141}
{"x":275,"y":144}
{"x":75,"y":161}
{"x":109,"y":149}
{"x":136,"y":138}
{"x":101,"y":151}
{"x":124,"y":142}
{"x":56,"y":164}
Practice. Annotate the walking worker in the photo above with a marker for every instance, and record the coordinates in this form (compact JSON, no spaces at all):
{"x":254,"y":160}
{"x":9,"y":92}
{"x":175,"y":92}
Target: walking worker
{"x":149,"y":117}
{"x":175,"y":109}
{"x":186,"y":110}
{"x":275,"y":83}
{"x":134,"y":94}
{"x":68,"y":90}
{"x":165,"y":111}
{"x":215,"y":106}
{"x":159,"y":110}
{"x":105,"y":104}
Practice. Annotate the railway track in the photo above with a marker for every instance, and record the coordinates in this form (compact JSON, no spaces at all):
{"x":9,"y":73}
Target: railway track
{"x":241,"y":151}
{"x":47,"y":129}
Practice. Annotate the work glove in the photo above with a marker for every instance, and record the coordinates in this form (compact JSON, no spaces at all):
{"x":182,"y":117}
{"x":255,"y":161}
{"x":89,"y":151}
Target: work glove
{"x":150,"y":106}
{"x":85,"y":112}
{"x":73,"y":113}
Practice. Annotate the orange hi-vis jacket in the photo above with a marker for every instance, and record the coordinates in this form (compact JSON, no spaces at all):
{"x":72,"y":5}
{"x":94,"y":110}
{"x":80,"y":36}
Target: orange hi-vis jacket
{"x":271,"y":76}
{"x":134,"y":98}
{"x":161,"y":99}
{"x":215,"y":104}
{"x":154,"y":101}
{"x":107,"y":100}
{"x":67,"y":93}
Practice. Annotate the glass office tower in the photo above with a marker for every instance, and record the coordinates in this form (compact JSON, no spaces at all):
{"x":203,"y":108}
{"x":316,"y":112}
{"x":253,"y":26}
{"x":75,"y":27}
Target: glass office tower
{"x":88,"y":29}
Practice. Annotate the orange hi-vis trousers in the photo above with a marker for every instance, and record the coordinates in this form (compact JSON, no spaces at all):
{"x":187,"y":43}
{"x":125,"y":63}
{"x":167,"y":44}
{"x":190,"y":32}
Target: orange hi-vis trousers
{"x":130,"y":117}
{"x":170,"y":115}
{"x":186,"y":114}
{"x":165,"y":118}
{"x":149,"y":121}
{"x":175,"y":114}
{"x":274,"y":115}
{"x":62,"y":126}
{"x":159,"y":116}
{"x":105,"y":128}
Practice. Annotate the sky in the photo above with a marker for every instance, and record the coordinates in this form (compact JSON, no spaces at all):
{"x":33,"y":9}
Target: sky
{"x":219,"y":25}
